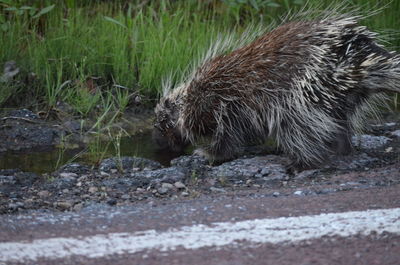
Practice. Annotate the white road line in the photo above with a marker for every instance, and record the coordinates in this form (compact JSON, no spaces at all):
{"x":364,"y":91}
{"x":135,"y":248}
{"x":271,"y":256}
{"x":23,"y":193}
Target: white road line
{"x":278,"y":230}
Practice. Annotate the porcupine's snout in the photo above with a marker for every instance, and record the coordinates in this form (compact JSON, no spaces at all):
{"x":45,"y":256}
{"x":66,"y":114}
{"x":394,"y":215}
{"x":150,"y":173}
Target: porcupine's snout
{"x":166,"y":134}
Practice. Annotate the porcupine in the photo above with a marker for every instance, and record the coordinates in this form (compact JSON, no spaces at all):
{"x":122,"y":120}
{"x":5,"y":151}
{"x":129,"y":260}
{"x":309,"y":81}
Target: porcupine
{"x":302,"y":83}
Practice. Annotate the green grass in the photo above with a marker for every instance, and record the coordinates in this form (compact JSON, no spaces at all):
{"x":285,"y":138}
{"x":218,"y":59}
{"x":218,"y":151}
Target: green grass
{"x":82,"y":53}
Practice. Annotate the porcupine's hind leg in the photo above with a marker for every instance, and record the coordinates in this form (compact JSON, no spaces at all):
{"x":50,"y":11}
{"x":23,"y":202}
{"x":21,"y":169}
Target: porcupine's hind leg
{"x":341,"y":144}
{"x":307,"y":139}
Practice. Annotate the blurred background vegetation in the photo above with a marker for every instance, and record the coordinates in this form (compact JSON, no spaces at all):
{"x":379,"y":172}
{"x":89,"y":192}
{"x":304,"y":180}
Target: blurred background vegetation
{"x":102,"y":55}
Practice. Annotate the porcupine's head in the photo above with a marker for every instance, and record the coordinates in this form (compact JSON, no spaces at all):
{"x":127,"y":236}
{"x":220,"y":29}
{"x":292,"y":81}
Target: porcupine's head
{"x":166,"y":133}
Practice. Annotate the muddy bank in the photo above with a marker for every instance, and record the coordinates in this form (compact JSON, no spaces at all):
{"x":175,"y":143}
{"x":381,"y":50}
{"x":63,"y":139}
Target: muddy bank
{"x":125,"y":180}
{"x":24,"y":130}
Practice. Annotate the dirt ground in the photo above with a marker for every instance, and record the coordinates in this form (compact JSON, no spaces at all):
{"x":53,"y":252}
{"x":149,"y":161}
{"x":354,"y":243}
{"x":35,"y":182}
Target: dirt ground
{"x":130,"y":180}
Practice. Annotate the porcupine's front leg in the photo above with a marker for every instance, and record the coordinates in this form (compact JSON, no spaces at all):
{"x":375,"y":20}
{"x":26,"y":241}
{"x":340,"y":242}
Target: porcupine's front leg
{"x":218,"y":150}
{"x":342,"y":144}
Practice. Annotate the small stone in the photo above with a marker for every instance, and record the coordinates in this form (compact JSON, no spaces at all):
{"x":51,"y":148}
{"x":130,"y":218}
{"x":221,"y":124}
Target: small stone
{"x":162,"y":190}
{"x":396,"y":133}
{"x":185,"y":194}
{"x":248,"y":182}
{"x":276,"y":194}
{"x":390,"y":124}
{"x":113,"y":170}
{"x":63,"y":205}
{"x":43,"y":193}
{"x":65,"y":190}
{"x":167,"y":186}
{"x":104,"y":174}
{"x":141,"y":190}
{"x":215,"y":189}
{"x":126,"y":197}
{"x":389,"y":149}
{"x":265,"y":171}
{"x":79,"y":184}
{"x":15,"y":206}
{"x":179,"y":185}
{"x":306,"y":173}
{"x":298,"y":192}
{"x":93,"y":189}
{"x":112,"y":201}
{"x":256,"y":186}
{"x":68,"y":175}
{"x":78,"y":206}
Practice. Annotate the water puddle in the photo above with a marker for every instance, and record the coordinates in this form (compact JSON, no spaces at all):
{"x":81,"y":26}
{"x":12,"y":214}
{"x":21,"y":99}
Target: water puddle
{"x":48,"y":160}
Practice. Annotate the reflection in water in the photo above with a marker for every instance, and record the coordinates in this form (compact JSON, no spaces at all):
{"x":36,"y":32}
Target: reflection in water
{"x":48,"y":160}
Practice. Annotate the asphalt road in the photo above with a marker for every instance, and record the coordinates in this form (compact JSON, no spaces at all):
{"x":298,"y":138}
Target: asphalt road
{"x":347,"y":226}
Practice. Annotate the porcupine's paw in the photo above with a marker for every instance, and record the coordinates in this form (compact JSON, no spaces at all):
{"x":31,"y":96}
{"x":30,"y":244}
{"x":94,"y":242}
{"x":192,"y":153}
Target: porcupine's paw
{"x":296,"y":167}
{"x":201,"y":152}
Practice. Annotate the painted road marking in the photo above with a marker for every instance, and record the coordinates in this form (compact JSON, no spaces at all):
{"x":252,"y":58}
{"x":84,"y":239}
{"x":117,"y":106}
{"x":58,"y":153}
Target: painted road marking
{"x":278,"y":230}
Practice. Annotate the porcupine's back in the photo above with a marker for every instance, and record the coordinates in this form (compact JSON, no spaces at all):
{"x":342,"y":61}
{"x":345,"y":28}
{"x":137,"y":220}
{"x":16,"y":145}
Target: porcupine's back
{"x":301,"y":82}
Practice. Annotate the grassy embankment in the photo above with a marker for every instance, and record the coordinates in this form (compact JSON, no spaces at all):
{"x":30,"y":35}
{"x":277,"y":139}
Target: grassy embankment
{"x":98,"y":57}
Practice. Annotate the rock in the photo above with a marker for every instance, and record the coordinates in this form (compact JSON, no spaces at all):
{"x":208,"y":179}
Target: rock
{"x":162,"y":190}
{"x":93,"y":189}
{"x":64,"y":107}
{"x":353,"y":162}
{"x":276,"y":194}
{"x":298,"y":192}
{"x":192,"y":163}
{"x":43,"y":194}
{"x":15,"y":206}
{"x":20,"y":134}
{"x":214,"y":189}
{"x":23,"y":113}
{"x":128,"y":163}
{"x":25,"y":178}
{"x":185,"y":194}
{"x":125,"y":196}
{"x":76,"y":168}
{"x":72,"y":126}
{"x":271,"y":168}
{"x":168,"y":186}
{"x":326,"y":191}
{"x":68,"y":175}
{"x":104,"y":174}
{"x":7,"y":180}
{"x":390,"y":124}
{"x":60,"y":184}
{"x":111,"y":201}
{"x":369,"y":141}
{"x":63,"y":205}
{"x":169,"y":175}
{"x":179,"y":185}
{"x":78,"y":207}
{"x":396,"y":133}
{"x":307,"y":173}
